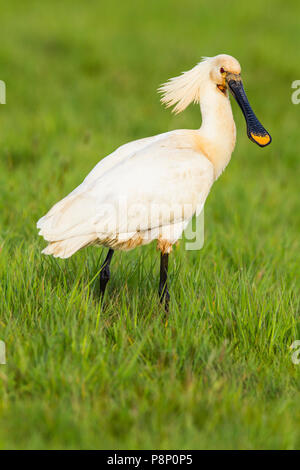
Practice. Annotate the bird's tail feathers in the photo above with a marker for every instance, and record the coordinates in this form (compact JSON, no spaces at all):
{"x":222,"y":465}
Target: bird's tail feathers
{"x":66,"y":248}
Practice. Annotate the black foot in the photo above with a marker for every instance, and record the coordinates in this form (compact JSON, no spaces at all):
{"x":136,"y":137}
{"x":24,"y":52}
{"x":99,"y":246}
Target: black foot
{"x":104,"y":278}
{"x":164,"y":297}
{"x":105,"y":272}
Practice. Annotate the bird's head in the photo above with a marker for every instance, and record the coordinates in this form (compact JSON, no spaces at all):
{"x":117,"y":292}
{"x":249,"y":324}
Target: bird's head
{"x":221,"y":73}
{"x":226,"y":74}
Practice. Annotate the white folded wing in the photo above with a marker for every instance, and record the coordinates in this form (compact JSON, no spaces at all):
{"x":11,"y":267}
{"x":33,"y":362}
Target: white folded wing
{"x":145,"y":190}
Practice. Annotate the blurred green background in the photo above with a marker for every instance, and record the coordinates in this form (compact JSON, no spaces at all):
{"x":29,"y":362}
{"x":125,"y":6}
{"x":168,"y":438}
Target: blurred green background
{"x":81,"y":80}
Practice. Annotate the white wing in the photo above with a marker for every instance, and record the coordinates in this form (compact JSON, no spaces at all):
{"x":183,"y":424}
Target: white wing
{"x":142,"y":192}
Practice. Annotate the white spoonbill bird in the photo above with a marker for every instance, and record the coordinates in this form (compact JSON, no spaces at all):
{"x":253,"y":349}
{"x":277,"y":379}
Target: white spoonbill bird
{"x":150,"y":189}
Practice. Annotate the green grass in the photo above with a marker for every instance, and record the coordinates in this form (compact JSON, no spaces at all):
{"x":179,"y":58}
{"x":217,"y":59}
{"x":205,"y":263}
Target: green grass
{"x":81,"y":80}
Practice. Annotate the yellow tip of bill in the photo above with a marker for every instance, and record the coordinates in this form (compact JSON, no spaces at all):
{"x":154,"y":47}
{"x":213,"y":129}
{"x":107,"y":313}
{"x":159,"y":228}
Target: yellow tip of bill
{"x":261,"y":139}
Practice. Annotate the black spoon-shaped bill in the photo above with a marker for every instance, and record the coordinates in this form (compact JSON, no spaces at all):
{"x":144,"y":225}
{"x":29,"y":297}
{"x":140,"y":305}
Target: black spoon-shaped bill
{"x":255,"y":130}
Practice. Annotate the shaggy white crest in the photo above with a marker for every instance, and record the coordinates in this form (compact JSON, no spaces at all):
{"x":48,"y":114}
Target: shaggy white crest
{"x":184,"y":89}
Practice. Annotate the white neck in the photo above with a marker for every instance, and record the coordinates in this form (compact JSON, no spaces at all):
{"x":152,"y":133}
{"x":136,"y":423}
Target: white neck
{"x":218,"y":127}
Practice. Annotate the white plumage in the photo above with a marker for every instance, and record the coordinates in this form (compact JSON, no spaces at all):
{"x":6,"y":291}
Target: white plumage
{"x":139,"y":176}
{"x":172,"y":172}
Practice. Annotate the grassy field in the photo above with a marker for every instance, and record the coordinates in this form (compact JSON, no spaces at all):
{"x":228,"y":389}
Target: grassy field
{"x":81,"y":80}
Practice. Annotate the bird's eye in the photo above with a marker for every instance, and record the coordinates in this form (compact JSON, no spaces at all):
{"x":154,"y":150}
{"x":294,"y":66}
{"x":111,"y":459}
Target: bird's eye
{"x":222,"y":70}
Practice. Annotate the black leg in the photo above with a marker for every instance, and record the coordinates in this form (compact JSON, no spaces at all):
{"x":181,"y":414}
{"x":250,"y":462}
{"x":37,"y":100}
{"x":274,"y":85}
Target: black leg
{"x":163,"y":287}
{"x":105,"y":272}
